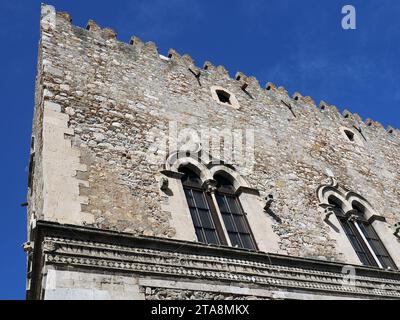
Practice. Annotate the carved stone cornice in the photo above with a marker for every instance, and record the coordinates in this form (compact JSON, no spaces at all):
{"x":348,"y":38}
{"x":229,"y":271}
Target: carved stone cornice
{"x":74,"y":247}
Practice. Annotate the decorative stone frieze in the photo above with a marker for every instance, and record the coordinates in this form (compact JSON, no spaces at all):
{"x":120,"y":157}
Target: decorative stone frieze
{"x":64,"y":247}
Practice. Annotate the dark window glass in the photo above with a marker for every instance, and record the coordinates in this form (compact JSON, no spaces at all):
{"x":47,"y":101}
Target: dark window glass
{"x":189,"y":198}
{"x":232,"y":214}
{"x":229,"y":225}
{"x":223,"y":207}
{"x":200,"y":200}
{"x":233,"y":205}
{"x":195,"y":217}
{"x":357,"y":242}
{"x":240,"y":223}
{"x":200,"y":209}
{"x":200,"y":235}
{"x":190,"y":178}
{"x":211,"y":236}
{"x":235,"y":240}
{"x":377,"y":245}
{"x":224,"y":96}
{"x":205,"y":218}
{"x":247,"y":241}
{"x":350,"y":135}
{"x":357,"y":239}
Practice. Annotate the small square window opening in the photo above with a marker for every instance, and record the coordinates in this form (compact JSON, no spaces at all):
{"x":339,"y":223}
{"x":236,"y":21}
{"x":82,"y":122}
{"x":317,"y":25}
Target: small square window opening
{"x":350,"y":135}
{"x":224,"y":96}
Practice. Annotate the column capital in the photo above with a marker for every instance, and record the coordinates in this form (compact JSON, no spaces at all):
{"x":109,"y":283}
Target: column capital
{"x":210,"y":185}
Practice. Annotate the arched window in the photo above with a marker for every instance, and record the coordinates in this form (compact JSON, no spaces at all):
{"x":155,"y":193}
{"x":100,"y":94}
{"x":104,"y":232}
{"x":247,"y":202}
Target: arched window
{"x":205,"y":220}
{"x":232,"y":213}
{"x":352,"y":135}
{"x":361,"y":234}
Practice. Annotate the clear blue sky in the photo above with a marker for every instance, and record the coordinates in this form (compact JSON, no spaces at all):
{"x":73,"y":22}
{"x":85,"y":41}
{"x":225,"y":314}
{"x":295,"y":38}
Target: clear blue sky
{"x":297,"y":44}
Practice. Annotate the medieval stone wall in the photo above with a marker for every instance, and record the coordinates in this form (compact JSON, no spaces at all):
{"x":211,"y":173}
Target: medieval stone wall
{"x":103,"y":104}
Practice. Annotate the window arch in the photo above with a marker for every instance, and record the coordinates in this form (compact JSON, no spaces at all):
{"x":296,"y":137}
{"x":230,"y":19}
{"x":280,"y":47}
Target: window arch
{"x":200,"y":180}
{"x":349,"y":134}
{"x":232,"y":213}
{"x":352,"y":136}
{"x":354,"y":236}
{"x":205,"y":220}
{"x":215,"y":209}
{"x":351,"y":211}
{"x":380,"y":254}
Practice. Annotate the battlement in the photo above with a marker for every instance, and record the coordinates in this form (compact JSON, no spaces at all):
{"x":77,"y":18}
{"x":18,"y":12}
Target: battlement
{"x":244,"y":82}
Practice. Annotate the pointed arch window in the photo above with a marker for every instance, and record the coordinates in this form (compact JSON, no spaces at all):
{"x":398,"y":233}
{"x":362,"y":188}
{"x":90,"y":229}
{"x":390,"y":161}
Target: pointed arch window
{"x":361,"y":234}
{"x":233,"y":216}
{"x":205,"y":220}
{"x":352,"y":135}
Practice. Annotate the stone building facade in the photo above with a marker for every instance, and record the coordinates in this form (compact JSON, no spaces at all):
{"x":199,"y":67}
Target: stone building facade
{"x":125,"y":138}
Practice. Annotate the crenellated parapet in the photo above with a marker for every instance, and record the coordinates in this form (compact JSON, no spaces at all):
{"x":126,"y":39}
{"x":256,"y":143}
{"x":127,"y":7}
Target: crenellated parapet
{"x":392,"y":130}
{"x":351,"y":117}
{"x":374,"y":124}
{"x":65,"y":15}
{"x":219,"y":71}
{"x":324,"y":106}
{"x":306,"y":100}
{"x":105,"y":33}
{"x":244,"y":82}
{"x":280,"y":91}
{"x":93,"y":26}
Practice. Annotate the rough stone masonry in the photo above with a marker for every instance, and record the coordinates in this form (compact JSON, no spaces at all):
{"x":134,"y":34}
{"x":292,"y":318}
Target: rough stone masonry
{"x":101,"y":107}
